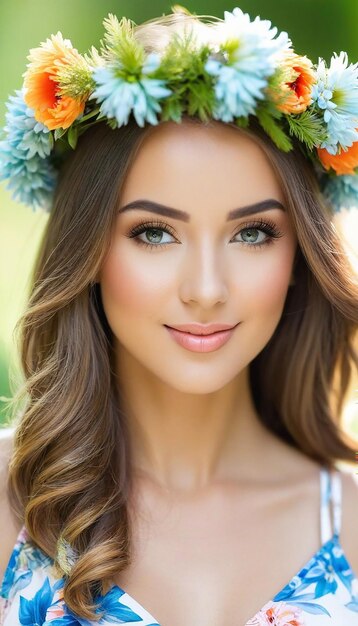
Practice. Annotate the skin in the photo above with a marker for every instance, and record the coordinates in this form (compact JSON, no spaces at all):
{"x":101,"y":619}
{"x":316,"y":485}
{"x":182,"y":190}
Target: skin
{"x":192,"y":417}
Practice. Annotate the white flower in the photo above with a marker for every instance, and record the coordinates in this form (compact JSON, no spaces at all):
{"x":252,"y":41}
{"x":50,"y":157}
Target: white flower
{"x":241,"y":82}
{"x":336,"y":93}
{"x":258,"y":49}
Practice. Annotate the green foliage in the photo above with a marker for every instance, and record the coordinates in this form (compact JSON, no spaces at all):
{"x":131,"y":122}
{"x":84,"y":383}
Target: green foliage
{"x":112,"y":122}
{"x":67,"y":135}
{"x":72,"y":136}
{"x":243,"y":122}
{"x":59,"y":132}
{"x":182,"y":66}
{"x":268,"y":116}
{"x":76,"y":80}
{"x":172,"y":109}
{"x":307,"y":127}
{"x":88,"y":115}
{"x":121,"y":47}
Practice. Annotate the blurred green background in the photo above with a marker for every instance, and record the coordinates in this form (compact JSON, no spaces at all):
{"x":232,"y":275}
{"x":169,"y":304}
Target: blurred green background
{"x":317,"y":28}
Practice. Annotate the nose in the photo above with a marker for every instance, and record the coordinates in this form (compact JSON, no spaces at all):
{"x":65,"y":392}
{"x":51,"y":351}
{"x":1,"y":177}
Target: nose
{"x":204,"y":279}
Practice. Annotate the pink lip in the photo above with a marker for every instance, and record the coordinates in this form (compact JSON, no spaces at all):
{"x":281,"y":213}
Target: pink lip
{"x":202,"y":329}
{"x":201,"y":343}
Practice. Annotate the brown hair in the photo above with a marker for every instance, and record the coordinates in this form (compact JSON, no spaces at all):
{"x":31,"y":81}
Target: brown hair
{"x":70,"y":473}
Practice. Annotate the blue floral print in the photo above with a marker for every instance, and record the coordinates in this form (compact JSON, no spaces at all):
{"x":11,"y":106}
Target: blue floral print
{"x":322,"y":574}
{"x":324,"y":592}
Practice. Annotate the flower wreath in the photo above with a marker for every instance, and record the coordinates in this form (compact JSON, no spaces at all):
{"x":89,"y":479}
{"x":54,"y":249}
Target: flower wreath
{"x":239,"y":68}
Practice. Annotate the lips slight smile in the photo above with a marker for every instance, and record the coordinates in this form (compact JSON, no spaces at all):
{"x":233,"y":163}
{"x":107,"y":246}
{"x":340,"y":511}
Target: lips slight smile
{"x":201,"y":340}
{"x":201,"y":329}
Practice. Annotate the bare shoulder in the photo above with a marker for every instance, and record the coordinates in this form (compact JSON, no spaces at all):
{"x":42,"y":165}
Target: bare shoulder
{"x":349,"y":535}
{"x":8,"y":524}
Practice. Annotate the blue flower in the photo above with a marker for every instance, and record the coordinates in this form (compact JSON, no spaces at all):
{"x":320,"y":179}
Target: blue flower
{"x":33,"y":612}
{"x":236,"y":93}
{"x":120,"y":97}
{"x":18,"y":575}
{"x":241,"y":82}
{"x":24,"y":155}
{"x":115,"y":610}
{"x":23,"y":130}
{"x":336,"y":93}
{"x":32,"y":181}
{"x":341,"y":191}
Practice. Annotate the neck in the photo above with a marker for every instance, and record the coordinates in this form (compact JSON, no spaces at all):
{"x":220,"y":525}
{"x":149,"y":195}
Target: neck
{"x":184,"y":442}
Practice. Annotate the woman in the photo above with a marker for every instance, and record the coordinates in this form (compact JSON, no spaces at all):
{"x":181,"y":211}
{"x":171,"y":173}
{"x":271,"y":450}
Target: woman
{"x":156,"y":472}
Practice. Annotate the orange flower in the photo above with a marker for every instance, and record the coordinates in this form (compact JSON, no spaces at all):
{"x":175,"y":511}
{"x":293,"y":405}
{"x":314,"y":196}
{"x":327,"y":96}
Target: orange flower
{"x":42,"y":87}
{"x":343,"y":163}
{"x":295,"y":94}
{"x":278,"y":614}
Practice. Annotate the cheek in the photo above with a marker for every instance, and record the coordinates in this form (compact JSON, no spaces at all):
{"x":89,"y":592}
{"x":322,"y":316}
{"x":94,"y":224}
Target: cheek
{"x":131,"y":286}
{"x":264,"y":283}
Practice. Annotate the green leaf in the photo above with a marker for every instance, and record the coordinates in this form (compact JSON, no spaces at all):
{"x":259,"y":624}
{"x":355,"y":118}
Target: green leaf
{"x":172,"y":109}
{"x":59,"y":132}
{"x":201,"y":100}
{"x":112,"y":122}
{"x":87,"y":116}
{"x":72,"y":136}
{"x":308,"y":128}
{"x":51,"y":140}
{"x":121,"y":45}
{"x":274,"y":130}
{"x":242,"y":121}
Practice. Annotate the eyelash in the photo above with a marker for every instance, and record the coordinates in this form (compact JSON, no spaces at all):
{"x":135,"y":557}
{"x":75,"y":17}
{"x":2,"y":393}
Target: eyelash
{"x":268,"y":227}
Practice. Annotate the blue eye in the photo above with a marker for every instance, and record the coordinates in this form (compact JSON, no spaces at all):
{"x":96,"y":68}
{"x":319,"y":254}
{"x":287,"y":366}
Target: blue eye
{"x":154,"y":232}
{"x":156,"y":227}
{"x":254,"y":236}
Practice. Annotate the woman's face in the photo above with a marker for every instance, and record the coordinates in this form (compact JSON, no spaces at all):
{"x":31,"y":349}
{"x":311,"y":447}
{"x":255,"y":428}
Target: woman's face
{"x":193,"y":262}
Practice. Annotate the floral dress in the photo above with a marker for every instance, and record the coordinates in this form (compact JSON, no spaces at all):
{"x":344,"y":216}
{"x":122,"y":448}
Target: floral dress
{"x":323,"y":593}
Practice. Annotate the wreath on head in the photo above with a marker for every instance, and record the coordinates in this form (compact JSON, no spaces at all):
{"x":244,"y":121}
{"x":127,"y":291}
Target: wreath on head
{"x":235,"y":69}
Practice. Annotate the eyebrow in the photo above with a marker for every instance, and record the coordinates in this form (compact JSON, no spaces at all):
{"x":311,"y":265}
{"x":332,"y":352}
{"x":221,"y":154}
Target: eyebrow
{"x":162,"y":209}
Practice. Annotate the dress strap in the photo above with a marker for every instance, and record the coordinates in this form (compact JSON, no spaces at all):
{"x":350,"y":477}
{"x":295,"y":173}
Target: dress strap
{"x":331,"y":496}
{"x":337,"y":501}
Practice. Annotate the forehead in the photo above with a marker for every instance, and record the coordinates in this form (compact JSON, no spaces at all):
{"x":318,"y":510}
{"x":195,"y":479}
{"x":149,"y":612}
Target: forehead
{"x":198,"y":167}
